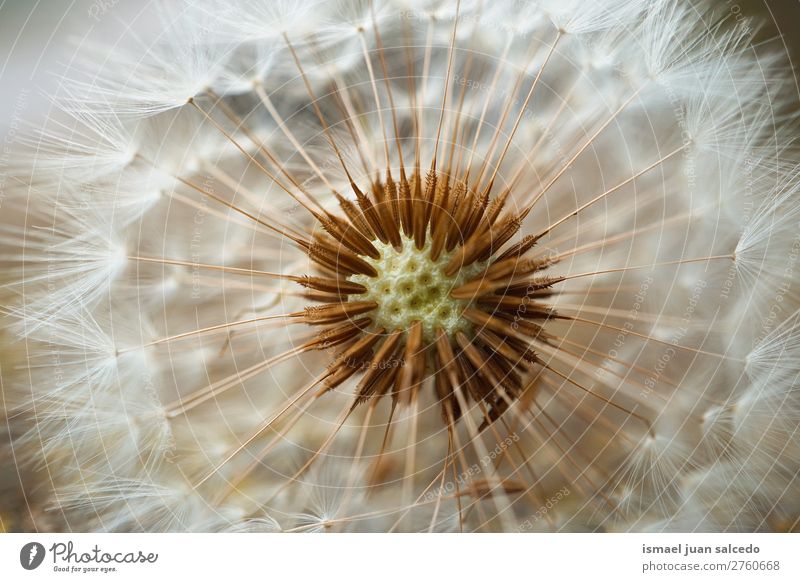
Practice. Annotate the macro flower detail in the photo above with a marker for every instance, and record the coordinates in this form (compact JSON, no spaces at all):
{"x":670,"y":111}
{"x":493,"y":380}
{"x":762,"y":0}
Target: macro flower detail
{"x":421,"y":262}
{"x":410,"y":266}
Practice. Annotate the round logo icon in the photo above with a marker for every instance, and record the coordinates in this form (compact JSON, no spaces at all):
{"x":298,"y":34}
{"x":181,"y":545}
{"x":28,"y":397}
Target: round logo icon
{"x":31,"y":555}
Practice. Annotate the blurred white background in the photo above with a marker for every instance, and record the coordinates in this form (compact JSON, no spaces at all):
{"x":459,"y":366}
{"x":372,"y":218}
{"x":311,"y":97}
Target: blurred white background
{"x":39,"y":37}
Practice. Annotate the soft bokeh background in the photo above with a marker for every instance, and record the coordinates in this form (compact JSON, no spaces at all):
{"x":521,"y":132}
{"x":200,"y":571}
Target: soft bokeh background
{"x":37,"y":37}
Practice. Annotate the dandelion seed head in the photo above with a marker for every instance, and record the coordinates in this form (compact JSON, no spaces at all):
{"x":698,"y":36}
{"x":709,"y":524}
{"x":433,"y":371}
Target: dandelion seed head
{"x":411,"y":266}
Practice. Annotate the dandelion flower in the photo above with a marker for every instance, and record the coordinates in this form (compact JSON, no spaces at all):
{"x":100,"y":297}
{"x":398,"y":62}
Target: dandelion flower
{"x":410,"y":266}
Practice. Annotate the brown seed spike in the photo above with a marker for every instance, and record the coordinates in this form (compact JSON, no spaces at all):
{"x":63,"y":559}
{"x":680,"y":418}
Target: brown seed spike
{"x":413,"y":369}
{"x":406,"y":205}
{"x":378,"y":386}
{"x":371,"y":215}
{"x":519,"y":249}
{"x":356,"y":217}
{"x":451,"y":412}
{"x":501,"y":233}
{"x":468,"y":375}
{"x":358,"y":350}
{"x":438,"y":237}
{"x":336,"y":312}
{"x":423,"y":208}
{"x":495,"y":207}
{"x":481,"y":366}
{"x":457,"y":261}
{"x":338,"y":375}
{"x":498,"y":276}
{"x":481,"y":245}
{"x":527,"y":328}
{"x":377,"y":191}
{"x":441,"y":220}
{"x":441,"y":193}
{"x":519,"y":306}
{"x":476,"y":214}
{"x":431,"y":181}
{"x":334,"y":336}
{"x":504,"y":270}
{"x":379,"y":366}
{"x":505,"y":370}
{"x":322,"y":257}
{"x":344,"y":232}
{"x":476,"y":288}
{"x":503,"y":346}
{"x":383,"y":206}
{"x":448,"y":376}
{"x":320,"y":297}
{"x":390,"y":195}
{"x":532,"y":285}
{"x":455,"y":203}
{"x":327,"y":285}
{"x":340,"y":260}
{"x":495,"y":324}
{"x":419,"y":223}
